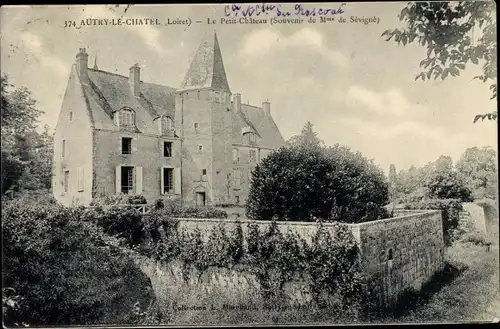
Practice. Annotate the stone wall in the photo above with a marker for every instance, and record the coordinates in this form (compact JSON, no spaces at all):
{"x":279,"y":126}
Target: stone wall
{"x":402,"y":252}
{"x":397,"y":254}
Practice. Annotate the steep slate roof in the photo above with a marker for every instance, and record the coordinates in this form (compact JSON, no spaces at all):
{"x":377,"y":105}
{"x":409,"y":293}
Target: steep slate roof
{"x":109,"y":92}
{"x":207,"y":68}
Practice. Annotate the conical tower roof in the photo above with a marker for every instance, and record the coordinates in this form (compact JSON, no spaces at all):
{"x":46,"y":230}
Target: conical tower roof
{"x":207,"y":68}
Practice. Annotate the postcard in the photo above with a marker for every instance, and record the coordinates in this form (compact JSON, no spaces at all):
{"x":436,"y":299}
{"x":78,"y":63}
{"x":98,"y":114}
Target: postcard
{"x":249,"y":164}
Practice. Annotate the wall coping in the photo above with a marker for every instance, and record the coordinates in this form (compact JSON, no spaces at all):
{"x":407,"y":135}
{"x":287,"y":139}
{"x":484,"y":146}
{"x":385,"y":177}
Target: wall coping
{"x":294,"y":223}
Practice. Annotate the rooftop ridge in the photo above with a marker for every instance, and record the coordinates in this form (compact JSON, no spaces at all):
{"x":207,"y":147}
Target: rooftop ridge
{"x":126,"y":77}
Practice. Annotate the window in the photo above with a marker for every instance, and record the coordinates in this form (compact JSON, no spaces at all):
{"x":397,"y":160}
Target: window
{"x":236,"y":156}
{"x":127,"y":118}
{"x":167,"y":123}
{"x":126,"y":145}
{"x":390,"y":254}
{"x":252,"y":155}
{"x":237,"y":178}
{"x":200,"y":147}
{"x":237,"y":199}
{"x":217,"y":96}
{"x":63,"y":148}
{"x":70,"y":116}
{"x":80,"y":179}
{"x":196,"y":125}
{"x":127,"y":180}
{"x":204,"y":172}
{"x":249,"y":176}
{"x":168,"y":180}
{"x":66,"y":181}
{"x":251,"y":138}
{"x":167,"y":149}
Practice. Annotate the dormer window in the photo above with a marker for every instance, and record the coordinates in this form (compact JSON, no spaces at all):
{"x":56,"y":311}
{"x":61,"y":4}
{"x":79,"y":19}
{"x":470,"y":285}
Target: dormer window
{"x":249,"y":138}
{"x":127,"y":118}
{"x":168,"y":123}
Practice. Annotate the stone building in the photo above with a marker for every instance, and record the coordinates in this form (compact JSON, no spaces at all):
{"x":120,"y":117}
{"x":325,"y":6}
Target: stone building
{"x":198,"y":143}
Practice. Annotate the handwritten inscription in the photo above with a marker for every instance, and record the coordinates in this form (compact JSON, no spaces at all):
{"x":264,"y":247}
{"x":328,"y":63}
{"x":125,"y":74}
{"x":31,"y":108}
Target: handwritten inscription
{"x":254,"y":14}
{"x":280,"y":11}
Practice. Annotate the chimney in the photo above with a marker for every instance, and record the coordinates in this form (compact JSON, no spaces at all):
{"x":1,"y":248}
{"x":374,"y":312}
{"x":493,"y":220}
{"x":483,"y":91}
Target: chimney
{"x":237,"y":102}
{"x":135,"y":79}
{"x":266,"y":106}
{"x":82,"y":61}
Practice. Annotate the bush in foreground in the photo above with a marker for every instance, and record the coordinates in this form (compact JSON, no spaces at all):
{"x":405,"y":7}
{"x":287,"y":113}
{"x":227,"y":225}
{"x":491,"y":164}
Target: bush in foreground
{"x":63,"y":272}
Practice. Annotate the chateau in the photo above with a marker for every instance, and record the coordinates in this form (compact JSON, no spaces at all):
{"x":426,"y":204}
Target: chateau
{"x":198,"y":143}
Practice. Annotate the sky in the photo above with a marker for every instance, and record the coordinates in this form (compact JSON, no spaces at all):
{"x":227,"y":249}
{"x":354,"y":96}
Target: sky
{"x":355,"y":88}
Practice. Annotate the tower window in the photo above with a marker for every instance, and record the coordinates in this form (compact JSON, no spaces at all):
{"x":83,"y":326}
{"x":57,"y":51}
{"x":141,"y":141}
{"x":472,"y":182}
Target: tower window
{"x":217,"y":96}
{"x":126,"y":145}
{"x":204,"y":172}
{"x":70,"y":116}
{"x":253,"y":155}
{"x":200,"y":147}
{"x":196,"y":125}
{"x":167,"y":149}
{"x":63,"y":148}
{"x":236,"y":156}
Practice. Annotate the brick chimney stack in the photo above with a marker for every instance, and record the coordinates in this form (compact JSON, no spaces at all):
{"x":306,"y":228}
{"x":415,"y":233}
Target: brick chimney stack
{"x":237,"y":102}
{"x":135,"y":79}
{"x":82,"y":61}
{"x":266,"y":106}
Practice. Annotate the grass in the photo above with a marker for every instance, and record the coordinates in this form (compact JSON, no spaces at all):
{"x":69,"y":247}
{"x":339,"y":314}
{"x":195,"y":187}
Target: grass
{"x":467,"y":290}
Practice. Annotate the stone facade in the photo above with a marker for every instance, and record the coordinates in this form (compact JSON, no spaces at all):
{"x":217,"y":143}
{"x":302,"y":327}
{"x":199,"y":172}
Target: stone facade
{"x":397,"y":254}
{"x":113,"y":129}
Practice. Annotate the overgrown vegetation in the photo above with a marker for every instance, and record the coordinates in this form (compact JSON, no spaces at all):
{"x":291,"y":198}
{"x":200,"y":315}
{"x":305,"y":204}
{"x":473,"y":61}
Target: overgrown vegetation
{"x":329,"y":183}
{"x":60,"y":270}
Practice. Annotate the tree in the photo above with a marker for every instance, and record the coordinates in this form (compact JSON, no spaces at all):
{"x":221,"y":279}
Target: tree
{"x":447,"y":185}
{"x":327,"y":183}
{"x":479,"y":169}
{"x":26,"y":154}
{"x":445,"y":28}
{"x":307,"y":138}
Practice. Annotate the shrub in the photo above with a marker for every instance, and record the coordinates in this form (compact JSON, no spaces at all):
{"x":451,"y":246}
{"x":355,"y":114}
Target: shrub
{"x":328,"y":183}
{"x":174,"y":208}
{"x":450,"y":212}
{"x":63,"y":270}
{"x":123,"y":223}
{"x":333,"y":266}
{"x":118,"y":199}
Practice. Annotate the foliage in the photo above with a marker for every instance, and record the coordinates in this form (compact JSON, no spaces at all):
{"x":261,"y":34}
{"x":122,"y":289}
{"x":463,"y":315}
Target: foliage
{"x":26,"y":153}
{"x":63,"y":270}
{"x":450,"y":212}
{"x":447,"y":185}
{"x":334,"y":268}
{"x":118,"y":199}
{"x":437,"y":179}
{"x":446,"y":29}
{"x":479,"y":169}
{"x":331,"y":183}
{"x":125,"y":223}
{"x":175,"y":209}
{"x":307,"y":139}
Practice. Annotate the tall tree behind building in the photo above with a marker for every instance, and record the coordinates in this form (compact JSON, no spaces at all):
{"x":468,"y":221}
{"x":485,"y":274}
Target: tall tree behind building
{"x":26,"y":154}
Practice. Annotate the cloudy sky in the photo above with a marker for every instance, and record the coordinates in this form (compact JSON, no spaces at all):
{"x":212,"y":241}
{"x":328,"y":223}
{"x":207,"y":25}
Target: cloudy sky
{"x":357,"y":89}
